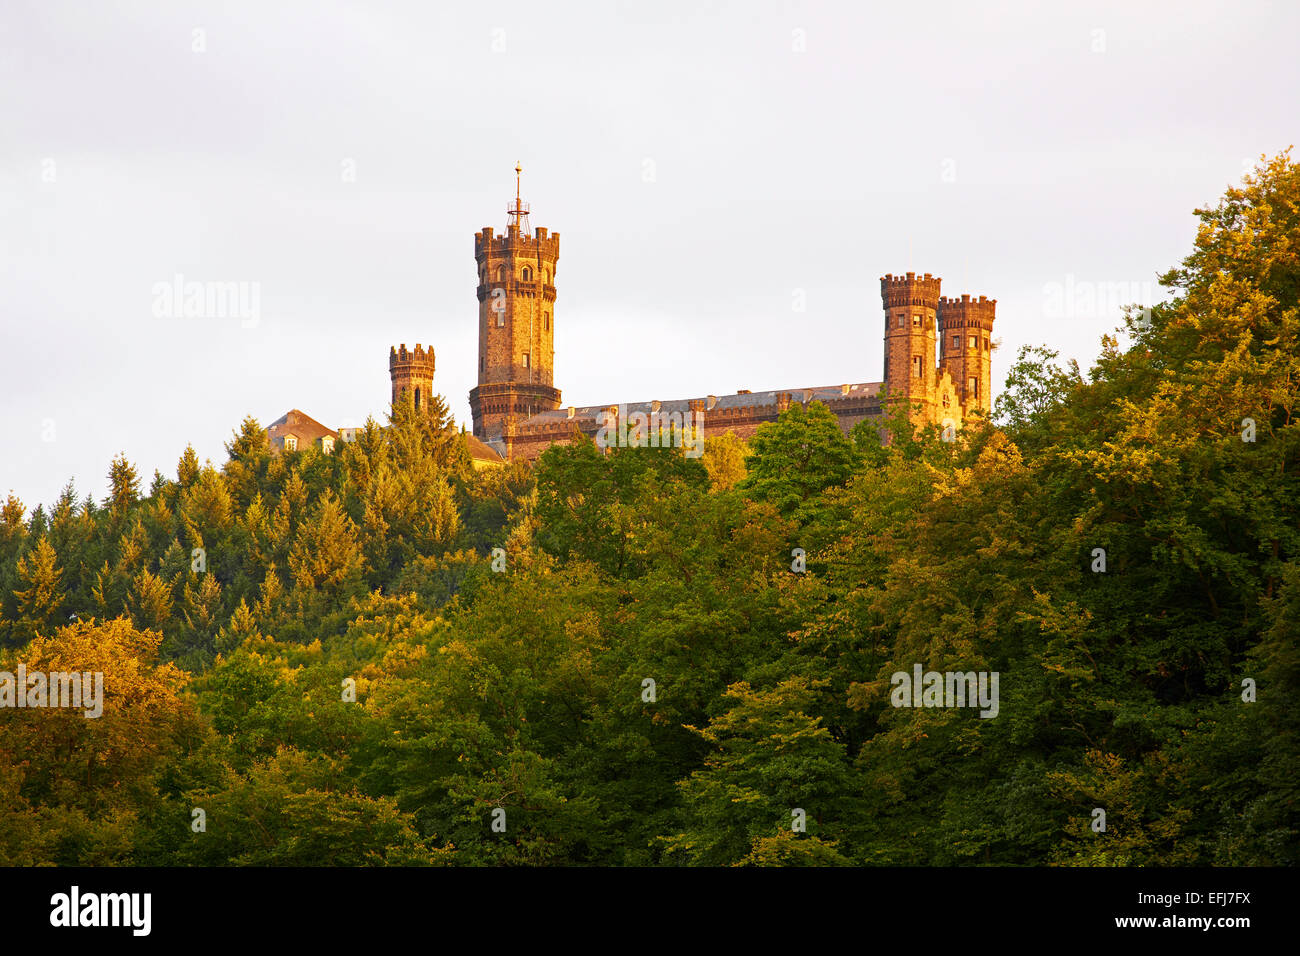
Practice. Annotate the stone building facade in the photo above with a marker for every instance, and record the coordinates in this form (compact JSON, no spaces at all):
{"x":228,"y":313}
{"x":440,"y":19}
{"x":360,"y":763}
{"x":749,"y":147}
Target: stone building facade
{"x":517,"y":410}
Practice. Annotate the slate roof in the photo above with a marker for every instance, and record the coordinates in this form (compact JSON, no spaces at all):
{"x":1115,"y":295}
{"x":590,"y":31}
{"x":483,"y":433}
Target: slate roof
{"x":722,"y":403}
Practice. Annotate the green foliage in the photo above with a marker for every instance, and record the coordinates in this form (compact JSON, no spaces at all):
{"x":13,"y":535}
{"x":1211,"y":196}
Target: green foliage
{"x":325,"y":654}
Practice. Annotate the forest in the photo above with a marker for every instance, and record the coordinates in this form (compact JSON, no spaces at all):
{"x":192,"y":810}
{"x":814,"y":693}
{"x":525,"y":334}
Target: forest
{"x":633,"y":657}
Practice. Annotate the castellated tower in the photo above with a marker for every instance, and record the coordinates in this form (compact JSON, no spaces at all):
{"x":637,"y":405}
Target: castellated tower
{"x":516,"y":324}
{"x":965,"y":328}
{"x":911,"y":305}
{"x":412,"y":373}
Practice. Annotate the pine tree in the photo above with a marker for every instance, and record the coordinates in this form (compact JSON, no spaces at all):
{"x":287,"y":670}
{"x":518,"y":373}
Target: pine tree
{"x":187,"y":469}
{"x":124,"y":486}
{"x":40,"y":600}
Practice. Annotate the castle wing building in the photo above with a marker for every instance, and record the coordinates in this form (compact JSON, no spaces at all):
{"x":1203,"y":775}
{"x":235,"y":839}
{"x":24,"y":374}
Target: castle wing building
{"x":937,"y":359}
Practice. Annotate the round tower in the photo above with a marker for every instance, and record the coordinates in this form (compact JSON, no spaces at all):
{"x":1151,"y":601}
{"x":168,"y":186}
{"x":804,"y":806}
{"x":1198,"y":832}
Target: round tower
{"x":516,"y":322}
{"x":911,"y":304}
{"x":412,"y":374}
{"x":965,"y":350}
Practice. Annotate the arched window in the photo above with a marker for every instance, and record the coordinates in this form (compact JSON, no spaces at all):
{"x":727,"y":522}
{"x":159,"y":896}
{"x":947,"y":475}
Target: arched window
{"x":528,"y":274}
{"x":417,"y":398}
{"x":501,"y":273}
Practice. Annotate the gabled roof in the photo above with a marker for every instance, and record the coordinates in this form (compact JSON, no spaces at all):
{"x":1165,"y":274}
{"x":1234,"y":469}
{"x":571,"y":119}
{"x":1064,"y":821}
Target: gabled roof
{"x":299,"y":424}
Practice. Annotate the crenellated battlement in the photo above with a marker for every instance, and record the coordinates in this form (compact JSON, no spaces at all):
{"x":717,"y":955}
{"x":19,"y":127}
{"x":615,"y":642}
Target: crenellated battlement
{"x":909,"y":290}
{"x":536,"y":244}
{"x":967,"y":312}
{"x":401,"y":357}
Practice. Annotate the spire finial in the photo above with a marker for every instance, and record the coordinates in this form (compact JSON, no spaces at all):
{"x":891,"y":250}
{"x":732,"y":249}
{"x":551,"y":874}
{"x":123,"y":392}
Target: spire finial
{"x":519,"y":211}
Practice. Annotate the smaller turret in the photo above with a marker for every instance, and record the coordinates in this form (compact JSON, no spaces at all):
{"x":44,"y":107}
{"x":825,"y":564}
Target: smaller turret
{"x":965,"y":348}
{"x":412,"y":373}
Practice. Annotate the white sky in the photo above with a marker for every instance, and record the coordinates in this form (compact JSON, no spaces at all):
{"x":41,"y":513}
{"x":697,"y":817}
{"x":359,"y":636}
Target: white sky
{"x":1009,"y":148}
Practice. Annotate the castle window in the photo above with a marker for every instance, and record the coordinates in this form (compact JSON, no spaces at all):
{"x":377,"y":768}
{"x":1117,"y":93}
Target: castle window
{"x":290,"y":443}
{"x":901,"y":320}
{"x":548,"y":321}
{"x":974,"y":342}
{"x":480,"y":363}
{"x":916,"y":321}
{"x":417,"y":399}
{"x":526,"y":360}
{"x":956,"y":341}
{"x":916,"y":366}
{"x":528,"y":274}
{"x":986,"y":343}
{"x":501,"y":317}
{"x":973,"y":388}
{"x":501,"y":273}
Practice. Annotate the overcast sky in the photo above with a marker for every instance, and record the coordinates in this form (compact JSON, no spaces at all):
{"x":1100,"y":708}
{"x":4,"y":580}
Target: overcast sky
{"x":709,"y":166}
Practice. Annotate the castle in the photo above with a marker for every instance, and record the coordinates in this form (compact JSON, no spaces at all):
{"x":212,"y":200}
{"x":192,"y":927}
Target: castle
{"x":517,"y":410}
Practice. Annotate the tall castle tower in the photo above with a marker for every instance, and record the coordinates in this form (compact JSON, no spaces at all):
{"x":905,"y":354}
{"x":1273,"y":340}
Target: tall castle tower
{"x":516,"y":327}
{"x":965,"y":328}
{"x":412,"y":373}
{"x":911,"y":305}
